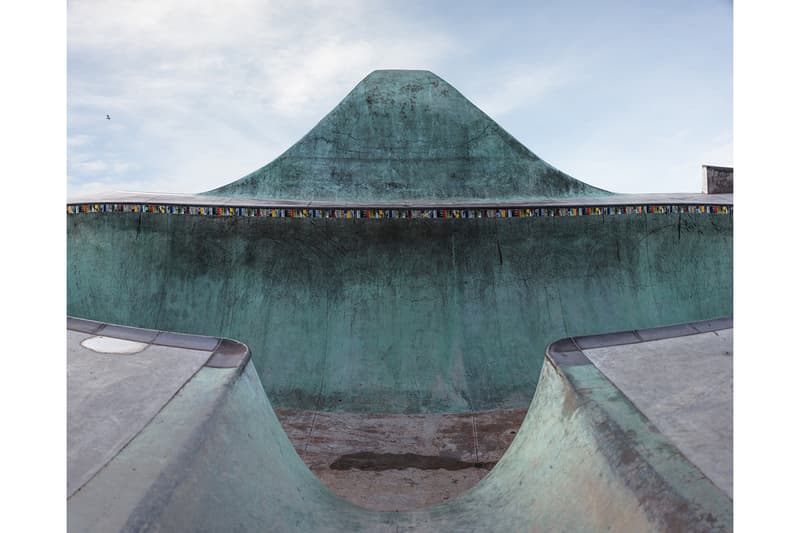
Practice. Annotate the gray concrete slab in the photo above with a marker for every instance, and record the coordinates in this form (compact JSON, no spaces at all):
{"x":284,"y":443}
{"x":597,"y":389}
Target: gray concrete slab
{"x":684,"y":386}
{"x":112,"y":395}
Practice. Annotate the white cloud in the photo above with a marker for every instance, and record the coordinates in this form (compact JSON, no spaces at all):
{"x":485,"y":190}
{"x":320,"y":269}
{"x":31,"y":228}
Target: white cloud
{"x":522,"y":86}
{"x":93,"y":167}
{"x":632,"y":160}
{"x":202,"y":93}
{"x":74,"y":141}
{"x":180,"y":80}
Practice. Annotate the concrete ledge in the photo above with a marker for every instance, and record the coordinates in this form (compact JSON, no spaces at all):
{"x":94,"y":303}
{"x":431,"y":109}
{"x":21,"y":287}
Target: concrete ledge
{"x":225,"y":353}
{"x":655,"y":199}
{"x":568,"y":351}
{"x":678,"y":377}
{"x":82,"y":325}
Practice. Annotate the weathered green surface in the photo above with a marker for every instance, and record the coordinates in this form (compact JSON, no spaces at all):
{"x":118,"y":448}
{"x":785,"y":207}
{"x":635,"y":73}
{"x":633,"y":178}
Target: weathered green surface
{"x":399,"y":315}
{"x":406,"y":135}
{"x":583,"y":460}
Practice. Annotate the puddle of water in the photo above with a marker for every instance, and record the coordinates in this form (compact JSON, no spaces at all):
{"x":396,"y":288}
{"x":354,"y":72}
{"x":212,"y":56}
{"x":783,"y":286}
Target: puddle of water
{"x":397,"y":461}
{"x":113,"y":346}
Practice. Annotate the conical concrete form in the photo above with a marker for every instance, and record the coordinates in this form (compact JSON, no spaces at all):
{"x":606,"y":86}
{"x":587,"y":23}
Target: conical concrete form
{"x":407,"y":135}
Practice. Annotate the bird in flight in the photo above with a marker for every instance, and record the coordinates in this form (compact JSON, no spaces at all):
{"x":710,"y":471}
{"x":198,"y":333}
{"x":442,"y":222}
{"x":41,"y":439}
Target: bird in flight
{"x":108,"y":117}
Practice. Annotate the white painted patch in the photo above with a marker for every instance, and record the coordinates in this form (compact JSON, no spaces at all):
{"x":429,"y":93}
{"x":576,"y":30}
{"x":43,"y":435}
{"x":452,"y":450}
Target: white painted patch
{"x":112,"y":345}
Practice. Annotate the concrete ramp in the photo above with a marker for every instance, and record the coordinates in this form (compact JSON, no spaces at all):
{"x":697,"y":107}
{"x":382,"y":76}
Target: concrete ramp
{"x":215,"y":458}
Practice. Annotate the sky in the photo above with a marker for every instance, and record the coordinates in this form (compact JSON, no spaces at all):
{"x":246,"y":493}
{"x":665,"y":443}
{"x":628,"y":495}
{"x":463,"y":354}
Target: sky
{"x":628,"y":96}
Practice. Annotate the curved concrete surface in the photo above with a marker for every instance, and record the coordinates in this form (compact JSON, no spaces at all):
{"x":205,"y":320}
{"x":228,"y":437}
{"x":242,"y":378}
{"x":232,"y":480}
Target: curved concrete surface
{"x":215,"y":458}
{"x":406,"y":135}
{"x":445,"y":303}
{"x":679,"y":377}
{"x":684,"y":385}
{"x":398,"y":315}
{"x":397,"y":462}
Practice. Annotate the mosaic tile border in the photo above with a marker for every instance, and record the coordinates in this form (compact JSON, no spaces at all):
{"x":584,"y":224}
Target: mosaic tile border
{"x":401,"y":213}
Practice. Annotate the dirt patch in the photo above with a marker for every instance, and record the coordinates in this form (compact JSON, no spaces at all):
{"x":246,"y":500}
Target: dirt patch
{"x":379,"y":462}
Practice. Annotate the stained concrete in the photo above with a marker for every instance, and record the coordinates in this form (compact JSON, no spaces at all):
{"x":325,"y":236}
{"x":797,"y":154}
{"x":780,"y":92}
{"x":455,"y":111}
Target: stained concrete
{"x":684,"y":385}
{"x":112,"y":396}
{"x":391,"y":462}
{"x":401,"y":135}
{"x":717,"y":180}
{"x":399,"y":316}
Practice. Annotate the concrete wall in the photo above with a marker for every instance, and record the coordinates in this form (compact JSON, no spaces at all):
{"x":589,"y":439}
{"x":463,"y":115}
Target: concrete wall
{"x":399,"y":315}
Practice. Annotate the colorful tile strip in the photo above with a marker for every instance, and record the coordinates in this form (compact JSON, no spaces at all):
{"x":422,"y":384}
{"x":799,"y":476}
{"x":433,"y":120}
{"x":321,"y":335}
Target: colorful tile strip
{"x":408,"y":213}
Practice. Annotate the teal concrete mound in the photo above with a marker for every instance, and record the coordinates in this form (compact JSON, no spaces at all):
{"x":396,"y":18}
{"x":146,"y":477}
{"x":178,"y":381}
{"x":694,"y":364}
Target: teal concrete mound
{"x":406,"y":135}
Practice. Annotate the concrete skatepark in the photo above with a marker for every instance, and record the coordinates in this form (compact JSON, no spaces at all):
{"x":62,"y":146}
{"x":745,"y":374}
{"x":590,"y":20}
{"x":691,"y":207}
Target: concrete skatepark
{"x":408,"y":289}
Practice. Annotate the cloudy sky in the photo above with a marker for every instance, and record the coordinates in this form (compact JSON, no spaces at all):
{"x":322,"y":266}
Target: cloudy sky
{"x":628,"y":96}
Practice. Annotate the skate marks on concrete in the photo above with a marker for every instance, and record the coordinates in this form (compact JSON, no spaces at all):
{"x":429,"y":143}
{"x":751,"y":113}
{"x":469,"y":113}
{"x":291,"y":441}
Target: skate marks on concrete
{"x":389,"y":462}
{"x":684,"y":385}
{"x":118,"y":379}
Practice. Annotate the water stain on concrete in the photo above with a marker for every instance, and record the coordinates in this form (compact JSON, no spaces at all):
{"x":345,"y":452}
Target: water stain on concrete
{"x":379,"y":462}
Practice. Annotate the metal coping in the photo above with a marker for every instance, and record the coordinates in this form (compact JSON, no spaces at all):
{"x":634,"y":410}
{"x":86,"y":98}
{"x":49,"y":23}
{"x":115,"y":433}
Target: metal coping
{"x":569,"y":350}
{"x":225,"y":353}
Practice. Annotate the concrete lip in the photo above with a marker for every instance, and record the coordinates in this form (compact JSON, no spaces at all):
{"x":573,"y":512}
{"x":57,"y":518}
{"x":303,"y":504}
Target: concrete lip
{"x":608,"y":200}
